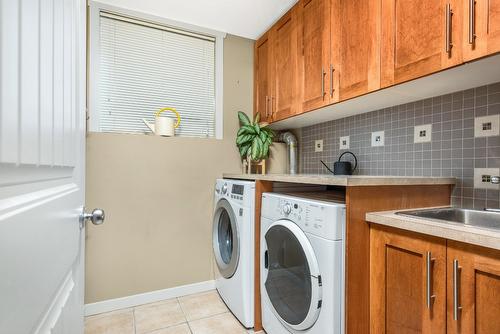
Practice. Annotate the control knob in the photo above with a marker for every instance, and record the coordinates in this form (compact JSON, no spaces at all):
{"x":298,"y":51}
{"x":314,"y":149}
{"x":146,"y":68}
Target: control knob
{"x":224,"y":189}
{"x":287,"y":209}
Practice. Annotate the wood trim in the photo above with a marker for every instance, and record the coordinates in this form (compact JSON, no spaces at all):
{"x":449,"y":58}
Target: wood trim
{"x":335,"y":46}
{"x":387,"y":43}
{"x":255,"y":76}
{"x":260,"y":187}
{"x":359,"y":201}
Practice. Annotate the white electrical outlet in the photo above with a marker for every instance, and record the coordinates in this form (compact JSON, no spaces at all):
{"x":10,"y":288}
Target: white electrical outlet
{"x":487,"y":126}
{"x":422,"y":133}
{"x":344,"y":143}
{"x":482,"y":178}
{"x":318,"y":145}
{"x":378,"y":138}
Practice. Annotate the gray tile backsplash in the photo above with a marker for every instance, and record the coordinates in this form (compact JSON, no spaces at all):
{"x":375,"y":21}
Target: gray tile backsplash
{"x":453,"y":150}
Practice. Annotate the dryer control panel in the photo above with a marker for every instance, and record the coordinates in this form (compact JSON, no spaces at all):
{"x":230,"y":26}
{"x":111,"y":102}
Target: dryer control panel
{"x":321,"y":218}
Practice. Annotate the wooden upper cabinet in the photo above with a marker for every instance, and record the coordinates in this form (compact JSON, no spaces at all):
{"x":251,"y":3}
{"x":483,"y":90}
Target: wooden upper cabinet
{"x":481,"y":28}
{"x":407,"y":282}
{"x":419,"y":38}
{"x":325,"y":51}
{"x":314,"y":54}
{"x":474,"y":278}
{"x":355,"y":36}
{"x":263,"y":83}
{"x":285,"y":102}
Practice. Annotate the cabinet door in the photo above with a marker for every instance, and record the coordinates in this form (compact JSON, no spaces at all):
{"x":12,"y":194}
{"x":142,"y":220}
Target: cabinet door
{"x":285,"y":101}
{"x":418,"y":38}
{"x":407,"y":282}
{"x":355,"y":35}
{"x":473,"y":289}
{"x":481,"y":28}
{"x":263,"y":78}
{"x":314,"y":45}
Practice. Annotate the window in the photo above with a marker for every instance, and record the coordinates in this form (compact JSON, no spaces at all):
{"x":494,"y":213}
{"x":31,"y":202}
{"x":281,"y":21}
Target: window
{"x":141,"y":65}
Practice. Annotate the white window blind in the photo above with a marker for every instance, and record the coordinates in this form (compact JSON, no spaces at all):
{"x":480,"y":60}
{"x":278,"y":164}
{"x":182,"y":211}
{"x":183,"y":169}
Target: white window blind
{"x":144,"y":67}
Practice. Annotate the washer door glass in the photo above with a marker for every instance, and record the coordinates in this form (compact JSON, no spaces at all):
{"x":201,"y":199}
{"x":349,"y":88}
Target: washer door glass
{"x":225,"y":239}
{"x":293,"y":291}
{"x":225,"y":236}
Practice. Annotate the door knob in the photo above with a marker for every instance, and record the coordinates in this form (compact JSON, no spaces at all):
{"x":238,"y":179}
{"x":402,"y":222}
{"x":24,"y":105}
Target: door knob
{"x":96,"y":217}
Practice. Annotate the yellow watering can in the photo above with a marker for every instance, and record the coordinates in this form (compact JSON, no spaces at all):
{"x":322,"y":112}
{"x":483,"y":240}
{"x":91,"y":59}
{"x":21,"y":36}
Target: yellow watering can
{"x":164,"y":126}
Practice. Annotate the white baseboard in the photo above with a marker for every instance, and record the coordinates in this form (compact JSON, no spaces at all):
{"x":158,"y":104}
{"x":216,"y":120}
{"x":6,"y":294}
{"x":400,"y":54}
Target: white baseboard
{"x":148,"y":297}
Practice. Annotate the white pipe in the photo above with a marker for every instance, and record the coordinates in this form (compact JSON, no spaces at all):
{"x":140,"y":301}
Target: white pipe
{"x":291,"y":142}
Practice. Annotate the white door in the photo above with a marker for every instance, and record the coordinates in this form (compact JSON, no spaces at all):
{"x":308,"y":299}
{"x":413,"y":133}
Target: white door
{"x":42,"y":145}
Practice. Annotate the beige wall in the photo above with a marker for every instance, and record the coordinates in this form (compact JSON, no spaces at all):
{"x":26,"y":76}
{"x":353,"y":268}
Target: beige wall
{"x":158,"y":196}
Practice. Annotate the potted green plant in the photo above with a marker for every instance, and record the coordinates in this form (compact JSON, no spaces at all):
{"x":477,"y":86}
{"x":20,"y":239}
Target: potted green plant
{"x":253,"y":138}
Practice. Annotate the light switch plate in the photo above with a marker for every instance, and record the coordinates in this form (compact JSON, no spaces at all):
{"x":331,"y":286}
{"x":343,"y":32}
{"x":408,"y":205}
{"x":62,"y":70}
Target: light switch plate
{"x":422,"y":133}
{"x":482,"y":178}
{"x":318,"y":145}
{"x":344,"y":143}
{"x":487,"y":126}
{"x":378,"y":138}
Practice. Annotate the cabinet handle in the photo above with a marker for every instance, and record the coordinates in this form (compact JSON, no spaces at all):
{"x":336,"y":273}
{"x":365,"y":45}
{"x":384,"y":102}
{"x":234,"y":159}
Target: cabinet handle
{"x":456,"y":279}
{"x":322,"y":82}
{"x":429,"y":296}
{"x":331,"y":80}
{"x":267,"y":106}
{"x":472,"y":21}
{"x":449,"y":13}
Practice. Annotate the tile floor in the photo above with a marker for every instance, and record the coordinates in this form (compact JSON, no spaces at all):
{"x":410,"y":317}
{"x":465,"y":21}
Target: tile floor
{"x":203,"y":313}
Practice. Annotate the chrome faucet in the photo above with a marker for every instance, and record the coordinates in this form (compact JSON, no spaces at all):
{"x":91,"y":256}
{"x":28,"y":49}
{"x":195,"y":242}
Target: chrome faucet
{"x":493,"y":180}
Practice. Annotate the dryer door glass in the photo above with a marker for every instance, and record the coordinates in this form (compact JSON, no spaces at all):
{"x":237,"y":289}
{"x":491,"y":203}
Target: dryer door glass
{"x":288,"y":283}
{"x":225,"y":239}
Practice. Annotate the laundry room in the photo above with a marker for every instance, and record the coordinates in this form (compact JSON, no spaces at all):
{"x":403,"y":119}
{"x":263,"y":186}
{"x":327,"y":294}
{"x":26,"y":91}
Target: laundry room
{"x":238,"y":167}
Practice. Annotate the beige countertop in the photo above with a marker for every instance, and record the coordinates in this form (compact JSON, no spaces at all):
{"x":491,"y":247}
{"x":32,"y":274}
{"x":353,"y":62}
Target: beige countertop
{"x":338,"y":180}
{"x":447,"y":230}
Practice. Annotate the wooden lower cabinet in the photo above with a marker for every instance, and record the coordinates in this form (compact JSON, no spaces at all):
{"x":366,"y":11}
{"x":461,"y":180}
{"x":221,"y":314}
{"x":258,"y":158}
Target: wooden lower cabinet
{"x":406,"y":268}
{"x":476,"y":287}
{"x":408,"y":276}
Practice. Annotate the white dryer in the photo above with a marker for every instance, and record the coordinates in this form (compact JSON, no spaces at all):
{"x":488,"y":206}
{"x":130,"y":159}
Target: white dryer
{"x":302,"y":265}
{"x":233,"y":245}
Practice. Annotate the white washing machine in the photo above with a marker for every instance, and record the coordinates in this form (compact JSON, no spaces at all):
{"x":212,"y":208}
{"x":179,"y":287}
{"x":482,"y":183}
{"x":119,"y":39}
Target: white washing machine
{"x":233,"y":245}
{"x":302,"y":265}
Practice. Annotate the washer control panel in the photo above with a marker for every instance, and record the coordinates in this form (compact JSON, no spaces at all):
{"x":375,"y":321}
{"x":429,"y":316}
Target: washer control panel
{"x":321,"y":218}
{"x":242,"y":192}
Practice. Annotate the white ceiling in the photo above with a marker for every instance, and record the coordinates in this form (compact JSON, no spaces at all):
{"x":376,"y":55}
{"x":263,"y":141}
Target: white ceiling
{"x":246,"y":18}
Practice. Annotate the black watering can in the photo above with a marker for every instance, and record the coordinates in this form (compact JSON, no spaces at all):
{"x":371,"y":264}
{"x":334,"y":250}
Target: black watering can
{"x":343,"y":167}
